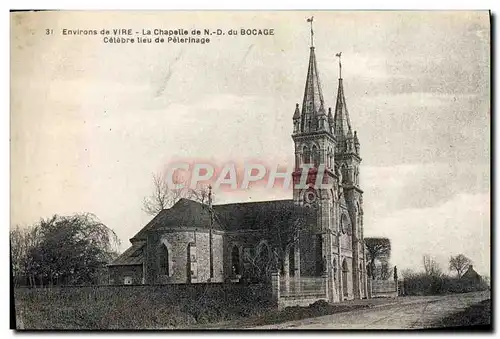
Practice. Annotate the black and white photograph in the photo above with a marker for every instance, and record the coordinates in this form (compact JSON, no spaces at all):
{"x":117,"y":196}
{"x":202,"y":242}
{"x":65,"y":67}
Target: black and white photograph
{"x":250,"y":170}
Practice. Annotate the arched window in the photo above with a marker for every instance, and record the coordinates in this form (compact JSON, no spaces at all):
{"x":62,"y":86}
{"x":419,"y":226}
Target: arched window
{"x":358,"y":220}
{"x":356,"y":176}
{"x":306,"y":155}
{"x":344,"y":224}
{"x":343,"y":170}
{"x":345,"y":270}
{"x":334,"y":269}
{"x":192,"y":262}
{"x":163,"y":261}
{"x":315,"y":155}
{"x":235,"y":260}
{"x":291,"y":261}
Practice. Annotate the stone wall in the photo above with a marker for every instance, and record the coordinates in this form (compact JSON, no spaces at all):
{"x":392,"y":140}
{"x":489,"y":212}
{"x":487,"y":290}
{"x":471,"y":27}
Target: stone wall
{"x":177,"y":241}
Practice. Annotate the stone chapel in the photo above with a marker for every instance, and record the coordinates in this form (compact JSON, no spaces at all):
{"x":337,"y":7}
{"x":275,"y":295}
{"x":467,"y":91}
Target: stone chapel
{"x":196,"y":243}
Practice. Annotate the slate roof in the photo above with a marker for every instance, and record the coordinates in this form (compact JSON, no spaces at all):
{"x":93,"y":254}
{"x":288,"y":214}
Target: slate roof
{"x":226,"y":217}
{"x":185,"y":213}
{"x":189,"y":213}
{"x":249,"y":215}
{"x":132,"y":256}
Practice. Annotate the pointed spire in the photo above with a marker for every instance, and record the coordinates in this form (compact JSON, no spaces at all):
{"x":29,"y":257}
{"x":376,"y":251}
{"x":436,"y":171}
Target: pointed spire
{"x":330,"y":117}
{"x":313,"y":97}
{"x":342,"y":123}
{"x":296,"y":115}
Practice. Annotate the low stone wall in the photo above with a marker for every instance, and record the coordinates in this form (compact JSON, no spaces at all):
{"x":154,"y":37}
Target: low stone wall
{"x":384,"y":289}
{"x":298,"y":291}
{"x":173,"y":291}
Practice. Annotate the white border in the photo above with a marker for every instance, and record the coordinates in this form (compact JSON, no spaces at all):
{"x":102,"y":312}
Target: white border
{"x":185,"y":4}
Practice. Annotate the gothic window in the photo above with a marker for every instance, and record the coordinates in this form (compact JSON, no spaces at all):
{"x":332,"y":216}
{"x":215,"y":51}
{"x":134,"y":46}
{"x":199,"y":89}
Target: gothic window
{"x":306,"y":155}
{"x":192,"y":264}
{"x":358,"y":220}
{"x":334,"y":269}
{"x":344,"y":224}
{"x":345,"y":270}
{"x":235,"y":260}
{"x":291,"y":261}
{"x":343,"y":170}
{"x":163,"y":261}
{"x":315,"y":155}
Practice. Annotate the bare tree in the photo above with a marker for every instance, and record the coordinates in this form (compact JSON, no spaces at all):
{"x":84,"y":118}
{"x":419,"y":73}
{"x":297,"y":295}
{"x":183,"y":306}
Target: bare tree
{"x":431,"y":267}
{"x":379,"y":249}
{"x":163,"y":197}
{"x":459,"y":263}
{"x":283,"y":228}
{"x":385,"y":271}
{"x":261,"y":262}
{"x":22,"y":242}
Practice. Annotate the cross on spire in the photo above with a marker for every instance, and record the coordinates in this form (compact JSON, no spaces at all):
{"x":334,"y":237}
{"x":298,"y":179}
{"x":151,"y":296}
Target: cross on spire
{"x":339,"y":55}
{"x":310,"y":20}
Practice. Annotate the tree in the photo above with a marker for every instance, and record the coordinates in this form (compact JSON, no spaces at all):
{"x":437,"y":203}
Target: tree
{"x":379,"y":249}
{"x":282,"y":227}
{"x":431,"y":267}
{"x":385,"y":271}
{"x":64,"y":250}
{"x":459,"y":263}
{"x":22,"y":241}
{"x":163,"y":197}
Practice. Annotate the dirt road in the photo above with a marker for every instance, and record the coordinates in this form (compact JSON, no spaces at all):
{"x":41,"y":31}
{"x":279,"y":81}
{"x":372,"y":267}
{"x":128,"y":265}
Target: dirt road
{"x":407,"y":313}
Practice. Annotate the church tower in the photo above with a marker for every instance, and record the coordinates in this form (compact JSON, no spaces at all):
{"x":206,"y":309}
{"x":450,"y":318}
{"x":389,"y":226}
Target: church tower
{"x":313,"y":136}
{"x":347,"y":162}
{"x":326,"y":178}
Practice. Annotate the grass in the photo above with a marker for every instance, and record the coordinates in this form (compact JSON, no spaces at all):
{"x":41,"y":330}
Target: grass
{"x":274,"y":316}
{"x":121,"y":308}
{"x":475,"y":315}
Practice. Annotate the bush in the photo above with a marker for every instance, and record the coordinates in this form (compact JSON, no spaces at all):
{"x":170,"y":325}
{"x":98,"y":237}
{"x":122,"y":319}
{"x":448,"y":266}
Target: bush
{"x":424,"y":284}
{"x":135,"y":307}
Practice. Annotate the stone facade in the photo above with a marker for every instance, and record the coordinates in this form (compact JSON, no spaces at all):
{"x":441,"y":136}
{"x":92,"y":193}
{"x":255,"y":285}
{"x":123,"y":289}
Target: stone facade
{"x":197,"y":243}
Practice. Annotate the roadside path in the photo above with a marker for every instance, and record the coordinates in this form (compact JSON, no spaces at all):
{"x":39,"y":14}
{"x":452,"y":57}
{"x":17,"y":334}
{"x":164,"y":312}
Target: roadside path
{"x":415,"y":312}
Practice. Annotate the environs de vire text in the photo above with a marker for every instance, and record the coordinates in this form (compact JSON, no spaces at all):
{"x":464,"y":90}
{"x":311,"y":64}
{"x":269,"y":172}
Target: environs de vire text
{"x":158,"y":35}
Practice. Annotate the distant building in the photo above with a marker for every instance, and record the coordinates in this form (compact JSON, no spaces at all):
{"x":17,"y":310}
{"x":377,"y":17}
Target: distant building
{"x":196,"y":243}
{"x":471,"y":275}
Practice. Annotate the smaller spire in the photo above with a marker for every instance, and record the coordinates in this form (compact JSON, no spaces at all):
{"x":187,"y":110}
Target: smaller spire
{"x":330,"y":117}
{"x":296,"y":115}
{"x":210,"y":196}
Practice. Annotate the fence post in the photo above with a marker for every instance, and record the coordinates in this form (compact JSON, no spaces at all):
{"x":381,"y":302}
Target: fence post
{"x":275,"y":282}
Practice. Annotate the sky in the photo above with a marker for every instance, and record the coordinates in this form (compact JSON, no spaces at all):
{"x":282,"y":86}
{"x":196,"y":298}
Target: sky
{"x":92,"y":121}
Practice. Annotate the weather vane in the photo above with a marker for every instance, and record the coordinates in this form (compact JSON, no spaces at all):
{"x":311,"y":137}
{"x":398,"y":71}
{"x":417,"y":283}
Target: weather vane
{"x":339,"y":55}
{"x":312,"y":32}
